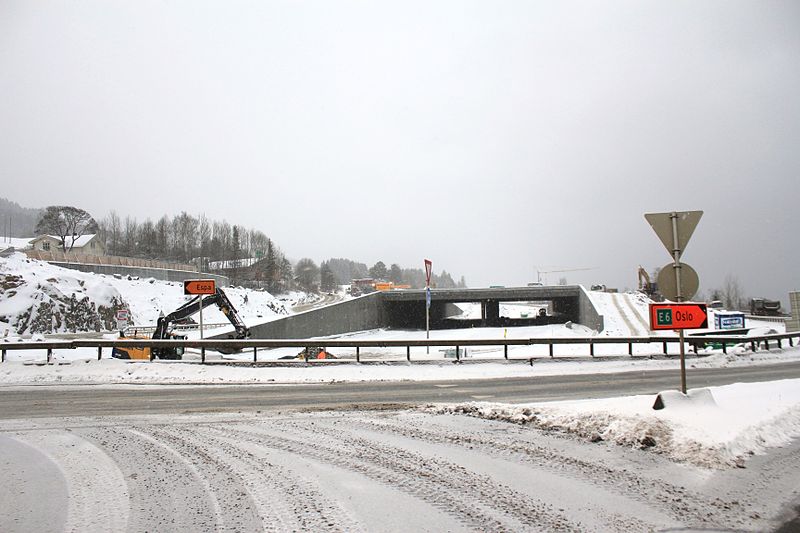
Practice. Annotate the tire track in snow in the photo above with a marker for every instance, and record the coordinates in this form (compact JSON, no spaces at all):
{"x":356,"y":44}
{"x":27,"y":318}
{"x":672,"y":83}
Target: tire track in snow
{"x":165,"y":492}
{"x":294,"y":503}
{"x":676,"y":501}
{"x":95,"y":485}
{"x":630,"y":300}
{"x":511,"y":508}
{"x":427,"y":486}
{"x":626,"y":315}
{"x":233,"y":509}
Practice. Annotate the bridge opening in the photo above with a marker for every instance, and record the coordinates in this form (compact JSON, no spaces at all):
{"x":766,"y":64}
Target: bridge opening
{"x":480,"y":312}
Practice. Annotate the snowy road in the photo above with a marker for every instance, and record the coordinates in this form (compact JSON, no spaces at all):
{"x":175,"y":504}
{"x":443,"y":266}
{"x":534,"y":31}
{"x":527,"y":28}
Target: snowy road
{"x":44,"y":401}
{"x":365,"y":471}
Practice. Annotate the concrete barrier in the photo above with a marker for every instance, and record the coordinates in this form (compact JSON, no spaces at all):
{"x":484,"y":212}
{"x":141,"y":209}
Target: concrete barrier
{"x":144,"y":272}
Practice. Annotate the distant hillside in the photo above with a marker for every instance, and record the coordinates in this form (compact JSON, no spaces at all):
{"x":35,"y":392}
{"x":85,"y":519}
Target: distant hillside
{"x":17,"y":221}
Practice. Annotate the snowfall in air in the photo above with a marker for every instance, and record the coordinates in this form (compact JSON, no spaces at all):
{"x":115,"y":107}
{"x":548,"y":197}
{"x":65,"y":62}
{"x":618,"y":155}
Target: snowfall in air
{"x":460,"y":466}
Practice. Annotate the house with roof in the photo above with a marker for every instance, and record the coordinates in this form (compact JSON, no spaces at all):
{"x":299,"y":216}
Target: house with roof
{"x":90,"y":244}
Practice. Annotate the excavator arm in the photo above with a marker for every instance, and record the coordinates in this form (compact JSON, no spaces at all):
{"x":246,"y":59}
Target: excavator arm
{"x":219,"y":298}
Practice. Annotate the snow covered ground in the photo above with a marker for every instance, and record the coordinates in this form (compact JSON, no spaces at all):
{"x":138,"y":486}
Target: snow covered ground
{"x":713,"y":427}
{"x":29,"y":285}
{"x":384,"y":470}
{"x":740,"y":421}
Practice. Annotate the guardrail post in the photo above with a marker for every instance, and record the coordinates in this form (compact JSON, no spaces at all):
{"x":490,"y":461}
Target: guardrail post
{"x":358,"y":354}
{"x":458,"y":355}
{"x":49,"y":355}
{"x":694,"y":348}
{"x":505,"y":351}
{"x":780,"y":345}
{"x":202,"y":354}
{"x":3,"y":357}
{"x":99,"y":352}
{"x":752,"y":346}
{"x":666,"y":352}
{"x":791,"y":342}
{"x":766,"y":344}
{"x":551,"y":349}
{"x":591,"y":349}
{"x":630,"y":349}
{"x":255,"y":354}
{"x":305,"y":354}
{"x":408,"y":353}
{"x":725,"y":348}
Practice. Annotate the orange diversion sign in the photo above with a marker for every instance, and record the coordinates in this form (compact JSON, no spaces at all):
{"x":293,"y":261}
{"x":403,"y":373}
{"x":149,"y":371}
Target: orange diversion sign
{"x":199,"y":286}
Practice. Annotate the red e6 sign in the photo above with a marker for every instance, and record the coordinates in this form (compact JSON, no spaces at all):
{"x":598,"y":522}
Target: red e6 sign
{"x":678,"y":316}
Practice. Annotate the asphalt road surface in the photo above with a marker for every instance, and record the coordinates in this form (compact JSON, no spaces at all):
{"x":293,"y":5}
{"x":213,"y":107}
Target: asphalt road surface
{"x":56,"y":401}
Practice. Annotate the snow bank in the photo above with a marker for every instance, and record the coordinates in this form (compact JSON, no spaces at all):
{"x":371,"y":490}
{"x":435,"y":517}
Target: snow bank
{"x":37,"y":297}
{"x":717,"y":427}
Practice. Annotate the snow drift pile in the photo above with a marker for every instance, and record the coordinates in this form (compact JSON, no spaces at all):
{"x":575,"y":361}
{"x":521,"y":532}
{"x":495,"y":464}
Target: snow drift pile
{"x":719,"y":427}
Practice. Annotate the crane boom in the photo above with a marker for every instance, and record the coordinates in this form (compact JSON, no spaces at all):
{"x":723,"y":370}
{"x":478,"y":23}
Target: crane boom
{"x":540,"y":272}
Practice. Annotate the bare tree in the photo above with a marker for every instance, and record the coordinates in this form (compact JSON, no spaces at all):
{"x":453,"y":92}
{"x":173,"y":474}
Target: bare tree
{"x":130,"y":237}
{"x":112,"y":226}
{"x":732,"y":293}
{"x":67,"y":223}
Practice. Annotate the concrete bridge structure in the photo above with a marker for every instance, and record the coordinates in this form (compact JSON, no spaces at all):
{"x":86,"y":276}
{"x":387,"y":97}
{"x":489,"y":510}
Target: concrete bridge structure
{"x":405,"y":309}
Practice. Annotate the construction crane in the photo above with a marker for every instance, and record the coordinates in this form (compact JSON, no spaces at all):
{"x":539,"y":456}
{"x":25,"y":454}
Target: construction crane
{"x":545,"y":272}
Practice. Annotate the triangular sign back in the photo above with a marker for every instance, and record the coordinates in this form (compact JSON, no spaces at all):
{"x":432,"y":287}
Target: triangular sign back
{"x":662,"y":225}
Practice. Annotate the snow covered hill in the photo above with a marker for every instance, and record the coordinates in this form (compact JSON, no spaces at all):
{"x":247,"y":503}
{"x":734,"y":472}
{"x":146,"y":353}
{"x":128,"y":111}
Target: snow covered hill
{"x":37,"y":297}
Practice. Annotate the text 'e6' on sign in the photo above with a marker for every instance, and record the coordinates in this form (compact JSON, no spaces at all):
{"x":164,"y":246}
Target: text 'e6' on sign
{"x":199,"y":286}
{"x":678,"y":316}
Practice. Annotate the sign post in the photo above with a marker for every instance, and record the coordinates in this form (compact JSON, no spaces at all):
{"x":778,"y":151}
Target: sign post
{"x":200,"y":287}
{"x":675,"y":229}
{"x":428,"y":270}
{"x":122,"y":319}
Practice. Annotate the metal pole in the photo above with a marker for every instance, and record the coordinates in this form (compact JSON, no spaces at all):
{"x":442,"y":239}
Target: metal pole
{"x":200,"y":303}
{"x":683,"y":364}
{"x":427,"y":319}
{"x":676,"y":255}
{"x":99,"y":352}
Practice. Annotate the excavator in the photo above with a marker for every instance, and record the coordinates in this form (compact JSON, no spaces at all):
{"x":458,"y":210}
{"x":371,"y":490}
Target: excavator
{"x":164,"y":328}
{"x":648,"y":287}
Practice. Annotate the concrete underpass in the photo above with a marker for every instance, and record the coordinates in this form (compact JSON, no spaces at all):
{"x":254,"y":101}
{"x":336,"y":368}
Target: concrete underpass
{"x":405,"y":309}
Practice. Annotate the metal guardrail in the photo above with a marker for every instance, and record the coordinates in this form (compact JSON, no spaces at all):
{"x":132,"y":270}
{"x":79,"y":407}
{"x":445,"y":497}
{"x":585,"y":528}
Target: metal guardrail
{"x":769,"y":318}
{"x":240,"y":345}
{"x":135,"y":330}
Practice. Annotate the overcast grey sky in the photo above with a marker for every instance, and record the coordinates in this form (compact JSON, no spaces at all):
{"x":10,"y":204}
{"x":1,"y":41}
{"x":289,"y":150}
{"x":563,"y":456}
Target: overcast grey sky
{"x":495,"y":138}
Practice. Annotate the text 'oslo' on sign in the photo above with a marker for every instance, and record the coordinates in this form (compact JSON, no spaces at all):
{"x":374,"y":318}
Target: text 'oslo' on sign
{"x":678,"y":316}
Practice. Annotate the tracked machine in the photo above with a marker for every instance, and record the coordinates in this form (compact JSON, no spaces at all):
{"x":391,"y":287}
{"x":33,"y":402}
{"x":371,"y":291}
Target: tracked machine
{"x":165,"y":324}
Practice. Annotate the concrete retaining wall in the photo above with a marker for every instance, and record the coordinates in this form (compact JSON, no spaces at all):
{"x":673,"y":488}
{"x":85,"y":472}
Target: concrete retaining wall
{"x":587,"y":314}
{"x":793,"y":324}
{"x":143,"y":272}
{"x":366,"y":312}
